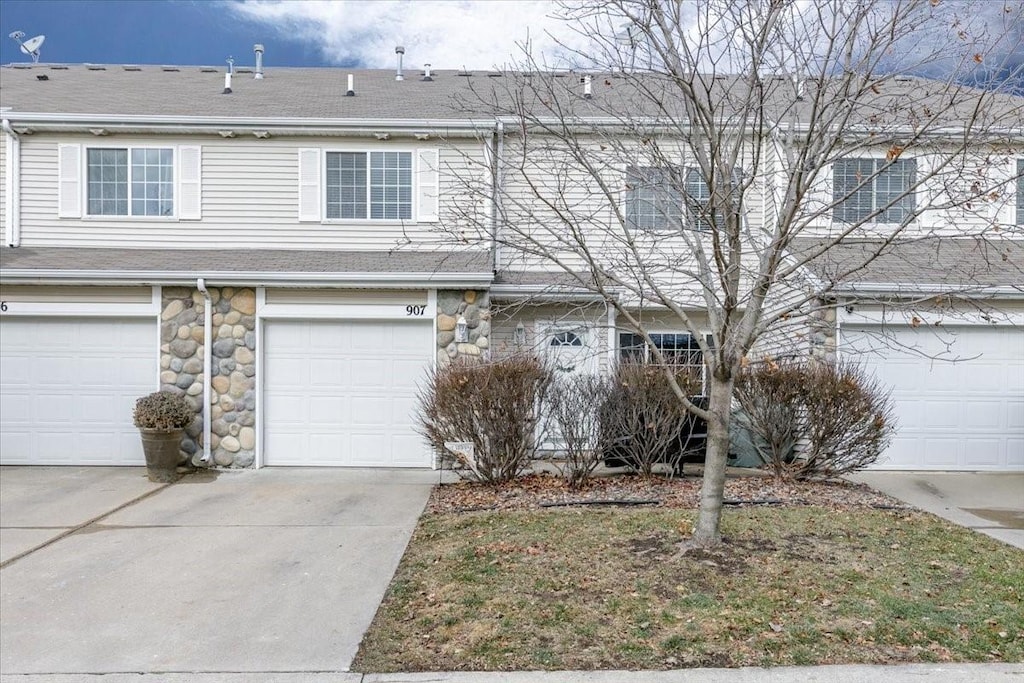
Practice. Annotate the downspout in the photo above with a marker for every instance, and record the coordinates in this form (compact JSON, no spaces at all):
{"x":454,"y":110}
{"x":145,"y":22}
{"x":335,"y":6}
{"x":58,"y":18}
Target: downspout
{"x":496,"y":213}
{"x":207,"y":368}
{"x":12,"y":182}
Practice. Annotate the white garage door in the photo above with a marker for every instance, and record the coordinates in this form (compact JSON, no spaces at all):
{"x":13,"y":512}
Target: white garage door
{"x":958,"y":394}
{"x":68,"y":387}
{"x":343,"y":393}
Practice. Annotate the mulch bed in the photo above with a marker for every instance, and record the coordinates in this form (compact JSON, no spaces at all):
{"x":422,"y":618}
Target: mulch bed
{"x":539,"y":491}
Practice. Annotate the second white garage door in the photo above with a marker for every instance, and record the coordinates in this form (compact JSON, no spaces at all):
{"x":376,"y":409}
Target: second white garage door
{"x":68,"y":387}
{"x":343,"y":393}
{"x":958,"y":394}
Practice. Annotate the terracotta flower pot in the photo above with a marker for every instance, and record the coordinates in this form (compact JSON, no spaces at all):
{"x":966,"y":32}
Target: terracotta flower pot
{"x":161,"y":447}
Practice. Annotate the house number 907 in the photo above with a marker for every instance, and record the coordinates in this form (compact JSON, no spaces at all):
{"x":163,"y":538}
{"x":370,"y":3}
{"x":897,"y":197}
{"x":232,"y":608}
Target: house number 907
{"x":415,"y":310}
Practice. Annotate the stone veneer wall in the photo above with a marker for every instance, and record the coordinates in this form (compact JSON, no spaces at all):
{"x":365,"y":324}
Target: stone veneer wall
{"x":475,"y":307}
{"x":233,"y":392}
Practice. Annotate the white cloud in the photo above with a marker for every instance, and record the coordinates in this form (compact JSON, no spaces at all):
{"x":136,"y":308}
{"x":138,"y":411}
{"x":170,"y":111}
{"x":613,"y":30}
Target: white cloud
{"x":448,"y":35}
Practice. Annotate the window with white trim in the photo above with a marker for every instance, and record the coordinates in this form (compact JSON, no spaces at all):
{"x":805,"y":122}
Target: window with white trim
{"x":873,"y":190}
{"x":653,"y":199}
{"x":130,"y":181}
{"x":679,"y":349}
{"x":369,"y":185}
{"x":1020,"y":191}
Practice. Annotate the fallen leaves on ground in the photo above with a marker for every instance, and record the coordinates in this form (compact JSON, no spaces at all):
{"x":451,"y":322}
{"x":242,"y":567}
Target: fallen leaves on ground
{"x":537,"y":491}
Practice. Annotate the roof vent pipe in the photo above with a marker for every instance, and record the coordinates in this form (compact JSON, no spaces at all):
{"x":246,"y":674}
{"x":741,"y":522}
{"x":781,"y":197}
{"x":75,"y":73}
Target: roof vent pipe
{"x":587,"y":94}
{"x":258,"y":49}
{"x":227,"y":83}
{"x":426,"y":73}
{"x":398,"y":74}
{"x":351,"y":92}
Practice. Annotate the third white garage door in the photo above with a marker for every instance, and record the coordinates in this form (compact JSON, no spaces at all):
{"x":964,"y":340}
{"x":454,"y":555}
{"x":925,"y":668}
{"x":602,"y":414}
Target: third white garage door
{"x":343,"y":393}
{"x":963,"y":414}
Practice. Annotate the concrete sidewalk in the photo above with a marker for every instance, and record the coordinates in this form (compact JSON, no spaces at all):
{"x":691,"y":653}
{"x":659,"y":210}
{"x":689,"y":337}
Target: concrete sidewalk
{"x":909,"y":673}
{"x":991,"y":503}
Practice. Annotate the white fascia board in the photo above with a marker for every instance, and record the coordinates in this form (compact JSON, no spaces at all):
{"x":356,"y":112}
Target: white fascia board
{"x":263,"y":123}
{"x":899,"y":289}
{"x":376,"y":280}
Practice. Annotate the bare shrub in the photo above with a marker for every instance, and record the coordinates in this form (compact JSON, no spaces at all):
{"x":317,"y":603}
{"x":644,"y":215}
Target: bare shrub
{"x":842,"y":416}
{"x":769,"y":396}
{"x":573,"y":410}
{"x":643,"y":423}
{"x":489,"y":404}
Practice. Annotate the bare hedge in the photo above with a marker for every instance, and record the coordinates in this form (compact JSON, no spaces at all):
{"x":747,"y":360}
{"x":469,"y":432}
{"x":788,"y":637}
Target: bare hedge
{"x":490,"y":404}
{"x":841,"y":417}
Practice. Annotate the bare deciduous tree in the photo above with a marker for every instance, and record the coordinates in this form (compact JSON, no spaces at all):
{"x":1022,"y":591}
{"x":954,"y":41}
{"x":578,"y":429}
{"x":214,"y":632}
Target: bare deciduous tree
{"x":704,"y":154}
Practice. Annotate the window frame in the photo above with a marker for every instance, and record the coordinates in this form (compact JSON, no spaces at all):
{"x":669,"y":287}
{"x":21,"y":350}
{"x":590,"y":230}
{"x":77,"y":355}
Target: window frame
{"x":175,"y":183}
{"x":368,"y":152}
{"x":843,"y":207}
{"x":620,"y":349}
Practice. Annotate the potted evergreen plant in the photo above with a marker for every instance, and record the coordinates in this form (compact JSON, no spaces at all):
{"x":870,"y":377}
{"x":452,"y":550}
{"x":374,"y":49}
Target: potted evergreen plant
{"x":161,"y":418}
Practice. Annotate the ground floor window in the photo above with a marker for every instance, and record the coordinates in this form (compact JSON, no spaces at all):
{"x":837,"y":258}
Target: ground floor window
{"x":678,"y":349}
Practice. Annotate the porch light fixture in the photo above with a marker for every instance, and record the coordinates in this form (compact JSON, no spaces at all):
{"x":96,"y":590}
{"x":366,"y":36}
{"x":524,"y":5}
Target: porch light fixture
{"x":519,"y":336}
{"x":461,"y":330}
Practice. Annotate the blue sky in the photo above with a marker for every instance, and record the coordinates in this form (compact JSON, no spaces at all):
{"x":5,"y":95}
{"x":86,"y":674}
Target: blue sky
{"x":144,"y":32}
{"x":448,"y":34}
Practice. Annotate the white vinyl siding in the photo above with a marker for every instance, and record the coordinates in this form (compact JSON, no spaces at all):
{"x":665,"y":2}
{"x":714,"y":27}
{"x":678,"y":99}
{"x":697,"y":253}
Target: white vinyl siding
{"x":873,"y":190}
{"x":250,"y":195}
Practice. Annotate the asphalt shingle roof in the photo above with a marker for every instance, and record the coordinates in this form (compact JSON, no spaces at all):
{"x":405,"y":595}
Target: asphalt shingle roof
{"x":200,"y":261}
{"x":953,"y":263}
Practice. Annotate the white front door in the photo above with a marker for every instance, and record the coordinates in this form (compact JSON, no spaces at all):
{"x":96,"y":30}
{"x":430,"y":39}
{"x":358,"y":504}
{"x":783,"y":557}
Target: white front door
{"x":570,"y":349}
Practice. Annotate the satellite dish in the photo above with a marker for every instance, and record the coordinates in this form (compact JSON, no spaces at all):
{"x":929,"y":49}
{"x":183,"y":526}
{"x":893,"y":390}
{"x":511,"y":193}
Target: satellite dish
{"x":30,"y":46}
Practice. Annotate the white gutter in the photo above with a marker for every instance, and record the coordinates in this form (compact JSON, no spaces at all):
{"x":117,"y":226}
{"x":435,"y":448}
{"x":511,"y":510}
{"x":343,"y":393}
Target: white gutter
{"x":12,"y":186}
{"x":255,"y":121}
{"x":207,"y":368}
{"x":250,"y":279}
{"x":900,"y":289}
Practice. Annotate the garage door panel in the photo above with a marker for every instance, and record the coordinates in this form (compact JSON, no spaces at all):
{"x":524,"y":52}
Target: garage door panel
{"x":957,"y":393}
{"x":360,"y":380}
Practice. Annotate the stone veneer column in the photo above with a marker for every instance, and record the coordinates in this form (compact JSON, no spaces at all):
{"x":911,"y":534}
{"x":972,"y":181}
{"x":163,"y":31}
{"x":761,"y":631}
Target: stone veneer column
{"x":233,"y":393}
{"x":475,"y":307}
{"x":823,"y":331}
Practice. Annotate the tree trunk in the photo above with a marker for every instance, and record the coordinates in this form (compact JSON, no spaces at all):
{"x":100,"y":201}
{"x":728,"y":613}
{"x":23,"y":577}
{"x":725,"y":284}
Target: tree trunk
{"x":712,"y":490}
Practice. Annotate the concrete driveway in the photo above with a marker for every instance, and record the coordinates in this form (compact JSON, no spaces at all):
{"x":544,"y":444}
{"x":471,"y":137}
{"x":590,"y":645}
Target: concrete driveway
{"x":989,"y":502}
{"x":258,"y":571}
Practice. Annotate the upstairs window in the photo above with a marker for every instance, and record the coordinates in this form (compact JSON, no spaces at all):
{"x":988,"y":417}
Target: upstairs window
{"x":369,"y":185}
{"x":653,"y":200}
{"x":873,"y":190}
{"x":130,"y":181}
{"x":697,"y":197}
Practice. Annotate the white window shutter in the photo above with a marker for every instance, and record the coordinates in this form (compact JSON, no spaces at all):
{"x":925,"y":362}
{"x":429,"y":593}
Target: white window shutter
{"x":427,"y":185}
{"x":190,"y":186}
{"x":69,"y":180}
{"x":309,"y":184}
